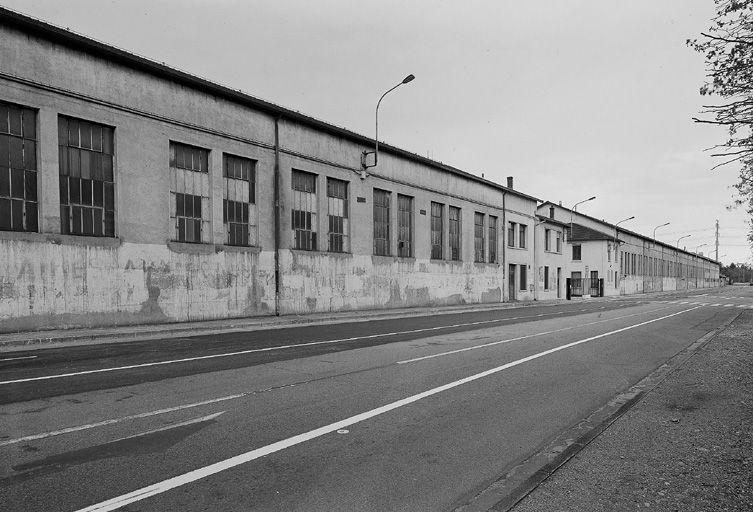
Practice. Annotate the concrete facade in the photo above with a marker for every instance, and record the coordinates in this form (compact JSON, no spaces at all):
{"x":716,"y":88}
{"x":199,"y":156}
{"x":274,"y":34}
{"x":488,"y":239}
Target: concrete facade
{"x":143,"y":274}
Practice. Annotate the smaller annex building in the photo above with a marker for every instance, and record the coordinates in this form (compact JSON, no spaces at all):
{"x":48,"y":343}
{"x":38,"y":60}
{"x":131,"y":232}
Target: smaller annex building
{"x":602,"y":259}
{"x":131,"y":192}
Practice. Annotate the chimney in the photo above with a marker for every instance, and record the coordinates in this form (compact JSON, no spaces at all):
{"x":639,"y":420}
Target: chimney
{"x":551,"y":212}
{"x":560,"y":203}
{"x":509,"y":182}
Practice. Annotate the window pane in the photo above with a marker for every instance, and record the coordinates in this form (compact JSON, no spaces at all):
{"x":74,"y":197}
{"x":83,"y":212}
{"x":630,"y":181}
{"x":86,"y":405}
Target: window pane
{"x":4,"y":150}
{"x":74,"y":185}
{"x":16,"y":152}
{"x":15,"y":120}
{"x":17,"y":214}
{"x":4,"y":181}
{"x":109,"y":196}
{"x":30,"y":124}
{"x":31,"y":185}
{"x":4,"y":213}
{"x":63,"y":189}
{"x":32,"y":223}
{"x":17,"y":185}
{"x":30,"y":154}
{"x":88,"y":221}
{"x":86,"y":192}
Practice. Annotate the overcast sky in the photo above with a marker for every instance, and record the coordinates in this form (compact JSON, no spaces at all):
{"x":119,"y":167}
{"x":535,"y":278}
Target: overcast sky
{"x":573,"y":98}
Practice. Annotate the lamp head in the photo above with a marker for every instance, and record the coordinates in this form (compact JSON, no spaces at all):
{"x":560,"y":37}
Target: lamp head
{"x":408,"y":79}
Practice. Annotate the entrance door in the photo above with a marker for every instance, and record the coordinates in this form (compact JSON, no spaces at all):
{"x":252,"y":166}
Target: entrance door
{"x":594,"y":285}
{"x":511,"y":281}
{"x":576,"y":284}
{"x":559,"y":278}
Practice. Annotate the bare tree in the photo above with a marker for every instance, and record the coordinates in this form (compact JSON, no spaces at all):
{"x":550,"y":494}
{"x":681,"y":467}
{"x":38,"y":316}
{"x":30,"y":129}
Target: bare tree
{"x":728,"y":49}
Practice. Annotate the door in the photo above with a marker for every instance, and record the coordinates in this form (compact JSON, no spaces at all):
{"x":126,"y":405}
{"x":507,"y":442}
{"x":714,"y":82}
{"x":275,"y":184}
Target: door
{"x":594,"y":284}
{"x":576,"y":284}
{"x":559,"y":278}
{"x":511,"y":281}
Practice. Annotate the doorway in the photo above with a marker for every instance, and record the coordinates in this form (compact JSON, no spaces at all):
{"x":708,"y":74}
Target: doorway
{"x":511,"y":282}
{"x":559,"y":278}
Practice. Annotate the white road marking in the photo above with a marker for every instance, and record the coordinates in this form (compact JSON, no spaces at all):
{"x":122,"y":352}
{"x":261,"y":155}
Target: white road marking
{"x":266,"y":349}
{"x":113,"y":421}
{"x":198,"y":474}
{"x":499,"y":342}
{"x":17,"y":358}
{"x":174,"y":425}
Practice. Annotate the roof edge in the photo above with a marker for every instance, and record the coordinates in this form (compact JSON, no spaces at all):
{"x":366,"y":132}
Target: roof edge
{"x":77,"y":41}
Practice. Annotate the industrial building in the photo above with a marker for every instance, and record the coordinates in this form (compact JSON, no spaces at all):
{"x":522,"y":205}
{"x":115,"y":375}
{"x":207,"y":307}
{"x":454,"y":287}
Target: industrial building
{"x":131,"y":192}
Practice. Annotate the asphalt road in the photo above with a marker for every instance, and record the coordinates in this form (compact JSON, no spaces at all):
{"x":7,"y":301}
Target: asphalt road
{"x":418,"y":413}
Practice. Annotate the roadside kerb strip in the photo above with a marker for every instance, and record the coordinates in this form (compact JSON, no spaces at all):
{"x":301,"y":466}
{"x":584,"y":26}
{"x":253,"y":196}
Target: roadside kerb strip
{"x":198,"y":474}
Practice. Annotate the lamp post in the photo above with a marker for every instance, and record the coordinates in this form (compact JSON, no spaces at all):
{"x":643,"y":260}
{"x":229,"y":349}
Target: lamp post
{"x":696,"y":263}
{"x":616,"y":245}
{"x":364,"y":164}
{"x":677,"y":256}
{"x":657,"y":227}
{"x":574,"y":209}
{"x":661,"y":259}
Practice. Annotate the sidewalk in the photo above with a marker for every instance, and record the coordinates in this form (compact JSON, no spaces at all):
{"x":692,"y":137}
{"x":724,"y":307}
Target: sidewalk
{"x":687,"y":445}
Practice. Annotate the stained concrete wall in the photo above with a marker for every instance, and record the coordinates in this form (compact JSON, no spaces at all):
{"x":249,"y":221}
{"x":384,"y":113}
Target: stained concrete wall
{"x":141,"y":276}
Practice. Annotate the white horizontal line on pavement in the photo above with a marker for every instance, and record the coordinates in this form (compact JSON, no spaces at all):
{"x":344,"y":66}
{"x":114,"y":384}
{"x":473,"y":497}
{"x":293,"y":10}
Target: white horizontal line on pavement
{"x":113,"y":421}
{"x":17,"y":358}
{"x":267,"y":349}
{"x":493,"y":343}
{"x":198,"y":474}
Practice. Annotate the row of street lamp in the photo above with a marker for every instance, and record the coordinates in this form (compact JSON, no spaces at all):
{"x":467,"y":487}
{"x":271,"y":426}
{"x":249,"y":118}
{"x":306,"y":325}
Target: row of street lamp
{"x":573,"y":209}
{"x":410,"y":78}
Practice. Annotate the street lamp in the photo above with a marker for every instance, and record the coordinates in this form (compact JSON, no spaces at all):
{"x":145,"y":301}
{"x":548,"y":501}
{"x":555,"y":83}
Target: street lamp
{"x":678,"y":240}
{"x":365,"y":165}
{"x":615,"y":227}
{"x":574,"y":209}
{"x":657,"y":227}
{"x":696,"y":249}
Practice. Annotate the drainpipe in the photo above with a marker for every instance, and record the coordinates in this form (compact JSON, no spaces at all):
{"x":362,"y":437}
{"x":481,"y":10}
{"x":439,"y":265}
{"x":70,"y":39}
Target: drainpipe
{"x":277,"y":216}
{"x":505,"y":277}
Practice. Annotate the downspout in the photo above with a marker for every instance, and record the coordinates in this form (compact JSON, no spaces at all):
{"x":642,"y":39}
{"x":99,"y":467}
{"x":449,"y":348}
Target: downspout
{"x":505,"y":277}
{"x":277,"y":216}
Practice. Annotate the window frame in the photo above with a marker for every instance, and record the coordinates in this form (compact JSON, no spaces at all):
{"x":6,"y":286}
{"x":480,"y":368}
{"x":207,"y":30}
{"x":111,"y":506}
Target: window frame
{"x":231,"y":208}
{"x":493,"y":239}
{"x":579,"y":248}
{"x":402,"y":229}
{"x":304,"y":210}
{"x":19,"y":174}
{"x":381,"y":222}
{"x":479,"y":237}
{"x":455,"y":233}
{"x":87,"y":190}
{"x":338,"y":226}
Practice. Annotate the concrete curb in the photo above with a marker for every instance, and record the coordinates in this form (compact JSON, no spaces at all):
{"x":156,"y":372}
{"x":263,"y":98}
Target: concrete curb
{"x":522,"y":479}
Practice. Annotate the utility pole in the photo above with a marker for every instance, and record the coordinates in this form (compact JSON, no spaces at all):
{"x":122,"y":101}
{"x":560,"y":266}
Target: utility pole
{"x":717,"y":240}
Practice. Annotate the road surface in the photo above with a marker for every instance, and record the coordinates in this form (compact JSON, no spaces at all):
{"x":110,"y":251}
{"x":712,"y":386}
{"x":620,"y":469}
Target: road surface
{"x":418,"y":413}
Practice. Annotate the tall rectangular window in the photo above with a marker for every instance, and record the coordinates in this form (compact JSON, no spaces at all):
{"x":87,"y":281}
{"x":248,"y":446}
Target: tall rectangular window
{"x":239,"y":200}
{"x":523,"y":278}
{"x":404,"y":226}
{"x":479,"y":239}
{"x":189,"y":186}
{"x":511,"y":234}
{"x":303,"y":213}
{"x":576,"y":252}
{"x":381,"y":222}
{"x":492,"y":239}
{"x":338,"y":227}
{"x":559,"y":242}
{"x":18,"y":168}
{"x":87,"y":187}
{"x":522,"y":241}
{"x":437,"y":231}
{"x":546,"y":277}
{"x":547,"y":241}
{"x":454,"y":213}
